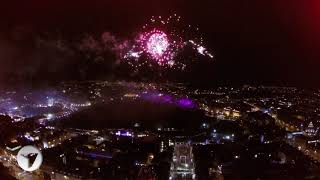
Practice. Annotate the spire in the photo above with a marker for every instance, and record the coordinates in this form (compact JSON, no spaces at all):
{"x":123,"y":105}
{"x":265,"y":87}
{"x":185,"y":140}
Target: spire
{"x":310,"y":125}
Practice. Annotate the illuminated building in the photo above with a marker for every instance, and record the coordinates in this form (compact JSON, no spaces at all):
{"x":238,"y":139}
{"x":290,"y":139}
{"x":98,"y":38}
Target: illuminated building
{"x":182,"y":162}
{"x":311,"y":130}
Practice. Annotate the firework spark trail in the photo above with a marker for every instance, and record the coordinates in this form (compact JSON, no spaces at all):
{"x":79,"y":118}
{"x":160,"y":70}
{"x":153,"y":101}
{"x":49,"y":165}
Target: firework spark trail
{"x":201,"y":49}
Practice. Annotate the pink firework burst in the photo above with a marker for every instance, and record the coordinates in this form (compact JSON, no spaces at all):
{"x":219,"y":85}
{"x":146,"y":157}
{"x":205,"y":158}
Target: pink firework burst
{"x":157,"y":44}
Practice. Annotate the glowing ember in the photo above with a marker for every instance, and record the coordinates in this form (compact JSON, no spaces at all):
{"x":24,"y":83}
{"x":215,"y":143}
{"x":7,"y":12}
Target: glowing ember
{"x":157,"y":44}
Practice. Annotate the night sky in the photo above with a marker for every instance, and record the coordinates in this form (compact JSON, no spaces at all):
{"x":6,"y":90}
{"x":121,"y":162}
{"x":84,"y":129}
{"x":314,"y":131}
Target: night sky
{"x":255,"y":42}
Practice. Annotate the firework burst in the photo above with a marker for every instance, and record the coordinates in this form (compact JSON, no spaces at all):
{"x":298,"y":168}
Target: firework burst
{"x":162,"y":40}
{"x":156,"y":44}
